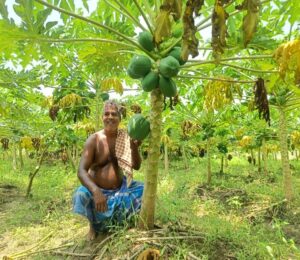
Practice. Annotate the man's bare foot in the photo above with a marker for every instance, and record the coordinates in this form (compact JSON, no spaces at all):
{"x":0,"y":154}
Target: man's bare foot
{"x":92,"y":234}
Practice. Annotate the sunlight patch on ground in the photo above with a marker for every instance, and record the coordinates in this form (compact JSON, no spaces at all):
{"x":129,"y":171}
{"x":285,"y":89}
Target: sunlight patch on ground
{"x":54,"y":233}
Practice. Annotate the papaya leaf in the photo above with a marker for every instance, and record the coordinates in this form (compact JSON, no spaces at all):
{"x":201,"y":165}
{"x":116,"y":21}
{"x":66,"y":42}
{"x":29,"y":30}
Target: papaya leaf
{"x":163,"y":25}
{"x":251,"y":19}
{"x":3,"y":10}
{"x":219,"y":28}
{"x":41,"y":18}
{"x":261,"y":100}
{"x":189,"y":40}
{"x":176,"y":9}
{"x":112,"y":83}
{"x":24,"y":11}
{"x":250,"y":22}
{"x":49,"y":25}
{"x":85,"y":4}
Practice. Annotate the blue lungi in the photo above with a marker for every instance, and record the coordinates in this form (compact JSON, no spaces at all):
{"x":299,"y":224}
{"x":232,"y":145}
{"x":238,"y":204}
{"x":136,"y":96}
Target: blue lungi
{"x":122,"y":203}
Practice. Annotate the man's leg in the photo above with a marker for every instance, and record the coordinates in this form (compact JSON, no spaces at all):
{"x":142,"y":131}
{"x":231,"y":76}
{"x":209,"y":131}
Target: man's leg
{"x":83,"y":205}
{"x":92,"y":234}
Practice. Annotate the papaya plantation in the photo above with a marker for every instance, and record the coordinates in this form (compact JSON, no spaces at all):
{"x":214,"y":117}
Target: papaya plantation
{"x":210,"y":89}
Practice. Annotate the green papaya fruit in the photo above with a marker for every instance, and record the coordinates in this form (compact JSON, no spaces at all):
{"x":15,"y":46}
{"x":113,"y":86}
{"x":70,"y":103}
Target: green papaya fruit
{"x":150,"y":81}
{"x":138,"y":127}
{"x":177,"y":30}
{"x":176,"y":53}
{"x":104,"y":96}
{"x":167,"y":86}
{"x":145,"y":39}
{"x":139,"y":66}
{"x":169,"y":67}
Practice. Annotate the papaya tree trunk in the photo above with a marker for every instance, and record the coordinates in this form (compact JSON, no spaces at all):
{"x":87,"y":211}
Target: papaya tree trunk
{"x":14,"y":154}
{"x":225,"y":162}
{"x":26,"y":153}
{"x":98,"y":108}
{"x":149,"y":196}
{"x":21,"y":155}
{"x":222,"y":165}
{"x":70,"y":158}
{"x":36,"y":170}
{"x":252,"y":157}
{"x":285,"y":156}
{"x":76,"y":158}
{"x":186,"y":165}
{"x":265,"y":156}
{"x":166,"y":158}
{"x":258,"y":160}
{"x":208,"y":162}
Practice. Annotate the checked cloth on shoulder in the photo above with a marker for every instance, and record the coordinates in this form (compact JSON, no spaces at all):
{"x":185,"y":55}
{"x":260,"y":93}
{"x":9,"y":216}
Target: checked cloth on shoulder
{"x":123,"y":154}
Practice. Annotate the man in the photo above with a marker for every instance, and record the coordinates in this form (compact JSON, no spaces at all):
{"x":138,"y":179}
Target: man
{"x":106,"y":194}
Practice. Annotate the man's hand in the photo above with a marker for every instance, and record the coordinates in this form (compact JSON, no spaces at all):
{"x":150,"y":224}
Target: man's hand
{"x":134,"y":144}
{"x":100,"y":201}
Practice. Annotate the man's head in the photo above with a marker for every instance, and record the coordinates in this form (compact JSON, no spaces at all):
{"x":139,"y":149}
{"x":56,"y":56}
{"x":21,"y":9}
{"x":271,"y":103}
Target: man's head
{"x":111,"y":116}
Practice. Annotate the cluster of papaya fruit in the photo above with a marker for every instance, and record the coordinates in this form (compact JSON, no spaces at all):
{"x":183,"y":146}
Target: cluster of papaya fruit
{"x":155,"y":74}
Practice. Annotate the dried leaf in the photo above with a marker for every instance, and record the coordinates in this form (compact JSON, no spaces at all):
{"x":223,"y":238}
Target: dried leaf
{"x":219,"y":28}
{"x":261,"y":100}
{"x":176,"y":9}
{"x":189,"y":40}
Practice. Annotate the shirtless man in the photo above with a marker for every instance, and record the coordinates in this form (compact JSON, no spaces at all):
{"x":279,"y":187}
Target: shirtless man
{"x":104,"y":192}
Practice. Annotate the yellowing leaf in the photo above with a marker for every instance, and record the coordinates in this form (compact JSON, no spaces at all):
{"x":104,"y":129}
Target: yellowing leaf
{"x":163,"y":26}
{"x":250,"y":22}
{"x":219,"y":28}
{"x":287,"y":56}
{"x":112,"y":83}
{"x":251,"y":19}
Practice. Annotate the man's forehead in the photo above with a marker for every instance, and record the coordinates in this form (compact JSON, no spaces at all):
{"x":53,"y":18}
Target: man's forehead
{"x":111,"y":107}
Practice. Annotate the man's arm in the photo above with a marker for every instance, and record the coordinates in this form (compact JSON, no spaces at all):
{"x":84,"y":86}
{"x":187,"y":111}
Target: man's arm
{"x":135,"y":154}
{"x":86,"y":161}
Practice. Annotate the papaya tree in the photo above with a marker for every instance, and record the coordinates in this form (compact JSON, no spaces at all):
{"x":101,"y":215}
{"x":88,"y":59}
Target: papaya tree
{"x":171,"y":34}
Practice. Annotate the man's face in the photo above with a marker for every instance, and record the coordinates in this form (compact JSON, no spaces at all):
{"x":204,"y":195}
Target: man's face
{"x":111,"y":117}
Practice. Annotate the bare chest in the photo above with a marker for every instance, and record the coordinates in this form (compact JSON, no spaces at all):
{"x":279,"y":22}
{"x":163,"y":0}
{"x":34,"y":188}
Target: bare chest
{"x":105,"y":151}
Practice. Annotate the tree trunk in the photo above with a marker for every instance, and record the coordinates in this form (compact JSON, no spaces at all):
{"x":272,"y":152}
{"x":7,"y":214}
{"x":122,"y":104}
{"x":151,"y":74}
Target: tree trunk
{"x":149,"y":196}
{"x":252,"y":157}
{"x":33,"y":174}
{"x":166,"y":158}
{"x":186,"y":165}
{"x":98,"y":108}
{"x":222,"y":165}
{"x":265,"y":156}
{"x":208,"y":162}
{"x":258,"y":160}
{"x":70,"y":158}
{"x":226,"y":162}
{"x":21,"y":155}
{"x":14,"y":154}
{"x":26,"y":153}
{"x":285,"y":155}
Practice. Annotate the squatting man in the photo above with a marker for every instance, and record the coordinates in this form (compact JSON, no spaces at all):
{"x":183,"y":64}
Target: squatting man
{"x":108,"y":194}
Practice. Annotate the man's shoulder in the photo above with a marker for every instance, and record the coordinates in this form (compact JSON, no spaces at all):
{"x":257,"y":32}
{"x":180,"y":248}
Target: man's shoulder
{"x":96,"y":136}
